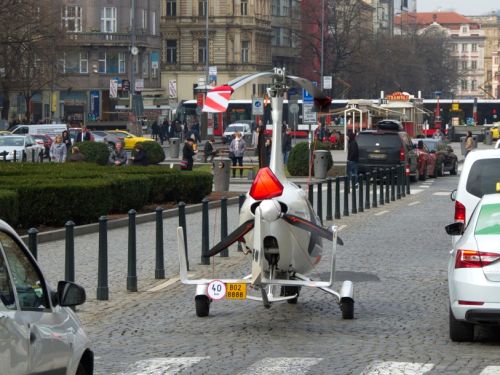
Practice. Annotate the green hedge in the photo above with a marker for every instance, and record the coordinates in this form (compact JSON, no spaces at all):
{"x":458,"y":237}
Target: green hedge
{"x":95,"y":152}
{"x":299,"y":158}
{"x":9,"y":207}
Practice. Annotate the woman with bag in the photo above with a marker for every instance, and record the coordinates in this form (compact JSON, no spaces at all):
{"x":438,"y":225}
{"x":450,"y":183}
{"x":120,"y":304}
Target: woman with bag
{"x":187,"y":155}
{"x":237,"y":148}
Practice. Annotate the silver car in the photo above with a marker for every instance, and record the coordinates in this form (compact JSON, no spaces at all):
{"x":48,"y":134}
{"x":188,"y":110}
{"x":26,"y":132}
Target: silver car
{"x":19,"y":148}
{"x":39,"y":332}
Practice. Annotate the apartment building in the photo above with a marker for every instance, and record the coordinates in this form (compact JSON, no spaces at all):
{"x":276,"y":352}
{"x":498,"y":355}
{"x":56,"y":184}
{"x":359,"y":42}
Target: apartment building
{"x":286,"y":40}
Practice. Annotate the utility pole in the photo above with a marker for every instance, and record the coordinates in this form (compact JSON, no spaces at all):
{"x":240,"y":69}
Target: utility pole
{"x":204,"y":116}
{"x":322,"y":40}
{"x":133,"y":61}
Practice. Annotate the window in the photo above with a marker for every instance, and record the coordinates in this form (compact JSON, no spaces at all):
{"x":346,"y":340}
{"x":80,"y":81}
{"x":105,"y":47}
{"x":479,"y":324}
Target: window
{"x":171,"y":51}
{"x":108,"y":20}
{"x":71,"y":62}
{"x":202,"y":8}
{"x":102,"y":62}
{"x":454,"y":47}
{"x":465,"y":29}
{"x":29,"y":285}
{"x":144,"y":19}
{"x":464,"y":47}
{"x":244,"y":7}
{"x":121,"y":63}
{"x":464,"y":85}
{"x":171,"y":8}
{"x":7,"y":298}
{"x":84,"y":62}
{"x":153,"y":23}
{"x":464,"y":65}
{"x":275,"y":8}
{"x":112,"y":62}
{"x":145,"y":66}
{"x":202,"y":51}
{"x":474,"y":47}
{"x":473,"y":85}
{"x":72,"y":18}
{"x":245,"y":46}
{"x":155,"y":64}
{"x":473,"y":65}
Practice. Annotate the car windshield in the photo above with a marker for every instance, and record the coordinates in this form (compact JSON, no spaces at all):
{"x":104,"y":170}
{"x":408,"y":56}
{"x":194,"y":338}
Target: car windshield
{"x":484,"y":177}
{"x":235,"y":128}
{"x":391,"y":140}
{"x":488,"y":221}
{"x":12,"y":141}
{"x":432,"y":146}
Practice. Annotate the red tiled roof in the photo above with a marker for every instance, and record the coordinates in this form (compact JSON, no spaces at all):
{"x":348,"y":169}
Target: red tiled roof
{"x":443,"y":18}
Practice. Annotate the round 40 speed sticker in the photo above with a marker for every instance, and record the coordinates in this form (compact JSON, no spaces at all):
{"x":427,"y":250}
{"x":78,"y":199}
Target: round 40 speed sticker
{"x":216,"y":289}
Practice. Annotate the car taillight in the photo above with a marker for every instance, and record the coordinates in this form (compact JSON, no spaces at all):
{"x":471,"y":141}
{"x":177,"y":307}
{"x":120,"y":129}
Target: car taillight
{"x":459,"y":212}
{"x":474,"y":259}
{"x":402,"y":154}
{"x":407,"y":170}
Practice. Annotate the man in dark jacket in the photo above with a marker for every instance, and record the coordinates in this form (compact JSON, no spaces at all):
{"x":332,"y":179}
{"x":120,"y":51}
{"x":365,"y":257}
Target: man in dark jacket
{"x":261,"y":147}
{"x":352,"y":158}
{"x":286,"y":144}
{"x":84,"y":135}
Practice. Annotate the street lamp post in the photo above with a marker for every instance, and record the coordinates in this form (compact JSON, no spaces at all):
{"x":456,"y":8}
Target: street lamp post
{"x":322,"y":40}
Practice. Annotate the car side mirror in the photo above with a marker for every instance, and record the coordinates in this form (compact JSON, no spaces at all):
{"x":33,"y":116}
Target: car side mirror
{"x":453,"y":195}
{"x":455,"y":229}
{"x":70,"y":294}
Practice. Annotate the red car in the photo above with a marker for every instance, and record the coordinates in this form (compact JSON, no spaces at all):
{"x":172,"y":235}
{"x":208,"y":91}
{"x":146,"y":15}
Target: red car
{"x":45,"y":141}
{"x":426,"y":160}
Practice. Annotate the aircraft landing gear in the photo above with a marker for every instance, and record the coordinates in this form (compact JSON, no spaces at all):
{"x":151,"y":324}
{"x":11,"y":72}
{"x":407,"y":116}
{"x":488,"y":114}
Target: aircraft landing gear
{"x":202,"y":305}
{"x":347,"y":308}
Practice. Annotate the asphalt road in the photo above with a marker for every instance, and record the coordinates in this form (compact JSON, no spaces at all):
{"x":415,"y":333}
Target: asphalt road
{"x":396,"y":255}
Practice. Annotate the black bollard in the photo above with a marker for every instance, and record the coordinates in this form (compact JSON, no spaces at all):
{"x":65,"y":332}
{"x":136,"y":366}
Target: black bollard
{"x":15,"y":156}
{"x":361,"y":205}
{"x":319,"y":201}
{"x":376,"y":176}
{"x":337,"y":197}
{"x":382,"y":183}
{"x":32,"y":242}
{"x":393,"y":184}
{"x":407,"y":184}
{"x":182,"y":223}
{"x":329,"y":199}
{"x":387,"y":185}
{"x":354,"y":208}
{"x":132,"y":253}
{"x":398,"y":182}
{"x":32,"y":155}
{"x":160,"y":267}
{"x":205,"y":259}
{"x":102,"y":265}
{"x":367,"y":200}
{"x":310,"y":193}
{"x":69,"y":259}
{"x":241,"y":200}
{"x":346,"y":196}
{"x":403,"y":181}
{"x":223,"y":224}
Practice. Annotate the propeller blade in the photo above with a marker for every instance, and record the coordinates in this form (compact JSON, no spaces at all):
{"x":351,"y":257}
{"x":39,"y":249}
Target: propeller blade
{"x":234,"y":236}
{"x":310,"y":227}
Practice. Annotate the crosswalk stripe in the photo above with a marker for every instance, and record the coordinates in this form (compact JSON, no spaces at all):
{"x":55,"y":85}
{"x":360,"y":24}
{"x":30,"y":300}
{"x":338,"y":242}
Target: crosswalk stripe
{"x":416,"y":191}
{"x":278,"y":366}
{"x":161,"y":366}
{"x":397,"y":368}
{"x":491,"y":370}
{"x":443,"y":193}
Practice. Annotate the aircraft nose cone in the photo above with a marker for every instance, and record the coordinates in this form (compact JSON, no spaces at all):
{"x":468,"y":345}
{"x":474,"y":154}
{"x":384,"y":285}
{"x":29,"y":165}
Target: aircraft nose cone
{"x":270,"y":210}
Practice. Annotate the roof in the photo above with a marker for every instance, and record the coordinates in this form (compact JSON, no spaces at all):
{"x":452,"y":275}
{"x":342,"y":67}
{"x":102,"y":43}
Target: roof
{"x":427,"y":18}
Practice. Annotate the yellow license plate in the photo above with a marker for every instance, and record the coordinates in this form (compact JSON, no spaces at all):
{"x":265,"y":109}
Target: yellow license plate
{"x":236,"y":291}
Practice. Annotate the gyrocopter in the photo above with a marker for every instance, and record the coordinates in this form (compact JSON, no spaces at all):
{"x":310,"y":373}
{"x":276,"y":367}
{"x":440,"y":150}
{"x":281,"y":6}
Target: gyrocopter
{"x":277,"y":225}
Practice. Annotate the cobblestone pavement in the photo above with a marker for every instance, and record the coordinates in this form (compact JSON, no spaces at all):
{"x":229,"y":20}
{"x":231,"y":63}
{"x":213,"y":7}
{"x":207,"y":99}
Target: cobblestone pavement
{"x":396,"y":255}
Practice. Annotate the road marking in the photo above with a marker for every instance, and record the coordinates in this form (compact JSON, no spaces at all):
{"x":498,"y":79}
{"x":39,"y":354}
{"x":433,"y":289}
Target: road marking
{"x":416,"y":191}
{"x":164,"y":285}
{"x":341,"y":227}
{"x":397,"y":368}
{"x":442,"y":193}
{"x":381,"y":213}
{"x":161,"y":366}
{"x":490,"y":370}
{"x":278,"y":366}
{"x":425,"y":186}
{"x":413,"y":203}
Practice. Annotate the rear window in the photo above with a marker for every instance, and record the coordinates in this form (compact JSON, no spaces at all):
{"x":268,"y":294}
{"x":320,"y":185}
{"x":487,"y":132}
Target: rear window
{"x":391,"y":140}
{"x":432,"y":146}
{"x":484,"y":177}
{"x":488,"y":221}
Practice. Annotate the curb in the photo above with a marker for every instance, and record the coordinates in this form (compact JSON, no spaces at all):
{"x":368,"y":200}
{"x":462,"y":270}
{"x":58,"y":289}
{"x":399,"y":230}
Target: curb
{"x":60,"y":234}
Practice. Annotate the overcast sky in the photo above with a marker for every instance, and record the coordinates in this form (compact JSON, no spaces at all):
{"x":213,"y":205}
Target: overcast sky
{"x":466,"y":7}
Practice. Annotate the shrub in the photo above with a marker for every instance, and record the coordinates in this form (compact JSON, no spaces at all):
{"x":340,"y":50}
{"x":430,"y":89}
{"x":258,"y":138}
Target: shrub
{"x":130,"y":191}
{"x":95,"y":152}
{"x":154,"y":152}
{"x":9,"y":206}
{"x":299,"y":158}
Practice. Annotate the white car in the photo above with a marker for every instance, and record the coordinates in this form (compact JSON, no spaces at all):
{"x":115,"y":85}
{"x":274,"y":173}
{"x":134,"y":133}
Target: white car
{"x":19,"y":148}
{"x":243,"y":128}
{"x":38,"y":332}
{"x":474,"y":269}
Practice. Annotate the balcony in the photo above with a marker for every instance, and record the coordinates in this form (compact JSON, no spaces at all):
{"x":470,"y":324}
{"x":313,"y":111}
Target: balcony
{"x":114,"y":39}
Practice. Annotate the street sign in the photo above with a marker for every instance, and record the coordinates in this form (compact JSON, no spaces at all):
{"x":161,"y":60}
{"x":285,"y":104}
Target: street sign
{"x":308,"y":116}
{"x":257,"y":107}
{"x":139,"y":84}
{"x":172,"y":88}
{"x":113,"y":88}
{"x":216,"y":289}
{"x":292,"y":91}
{"x":294,"y":108}
{"x":327,"y":82}
{"x":306,"y":96}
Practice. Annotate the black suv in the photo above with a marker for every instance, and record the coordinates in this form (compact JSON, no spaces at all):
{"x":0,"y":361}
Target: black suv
{"x":387,"y":147}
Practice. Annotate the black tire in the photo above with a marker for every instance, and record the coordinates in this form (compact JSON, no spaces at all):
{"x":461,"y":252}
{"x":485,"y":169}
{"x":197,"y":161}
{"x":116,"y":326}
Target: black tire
{"x":454,"y":170}
{"x":202,"y":306}
{"x":290,"y":291}
{"x":460,"y":331}
{"x":81,"y":370}
{"x":347,"y":308}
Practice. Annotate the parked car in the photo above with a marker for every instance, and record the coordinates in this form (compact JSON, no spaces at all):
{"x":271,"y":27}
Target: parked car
{"x":386,"y":149}
{"x":5,"y":132}
{"x":99,"y":135}
{"x":38,"y":330}
{"x":20,"y":148}
{"x":426,"y":160}
{"x":129,"y":140}
{"x":50,"y":129}
{"x":45,"y":141}
{"x":242,"y":127}
{"x":474,"y":270}
{"x":446,"y":160}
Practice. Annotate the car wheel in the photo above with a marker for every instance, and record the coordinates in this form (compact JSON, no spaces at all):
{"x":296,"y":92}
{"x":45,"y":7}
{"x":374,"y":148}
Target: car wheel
{"x":347,"y":308}
{"x":415,"y":177}
{"x":460,"y":331}
{"x":454,"y":170}
{"x":202,"y":306}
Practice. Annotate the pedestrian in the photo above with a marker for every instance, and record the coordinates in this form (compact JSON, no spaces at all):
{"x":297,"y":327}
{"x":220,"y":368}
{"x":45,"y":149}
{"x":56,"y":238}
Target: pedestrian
{"x":286,"y":145}
{"x":66,"y":139}
{"x":209,"y":150}
{"x":237,"y":148}
{"x":187,"y":155}
{"x":469,"y":143}
{"x":437,"y":135}
{"x":261,"y":140}
{"x":268,"y":145}
{"x":352,"y":158}
{"x":118,"y":156}
{"x":76,"y":155}
{"x":155,"y":131}
{"x":58,"y":150}
{"x":84,"y":135}
{"x":164,"y":131}
{"x":141,"y":157}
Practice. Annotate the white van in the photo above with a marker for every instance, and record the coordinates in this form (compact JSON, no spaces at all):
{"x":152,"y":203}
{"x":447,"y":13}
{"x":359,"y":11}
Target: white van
{"x":50,"y":129}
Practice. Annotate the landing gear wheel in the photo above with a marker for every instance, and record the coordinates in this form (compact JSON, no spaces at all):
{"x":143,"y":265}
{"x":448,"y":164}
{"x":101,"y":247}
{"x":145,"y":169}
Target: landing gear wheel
{"x":454,"y":171}
{"x":347,"y":308}
{"x":81,"y":370}
{"x":290,"y":291}
{"x":460,"y":331}
{"x":202,"y":306}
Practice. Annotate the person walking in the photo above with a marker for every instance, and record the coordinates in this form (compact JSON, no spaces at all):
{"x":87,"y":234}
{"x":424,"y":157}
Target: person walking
{"x":58,"y":150}
{"x":286,"y":145}
{"x":118,"y":156}
{"x":469,"y":143}
{"x":187,"y":154}
{"x":155,"y":131}
{"x":237,"y":148}
{"x":267,"y":150}
{"x":352,"y":158}
{"x":261,"y":140}
{"x":209,"y":150}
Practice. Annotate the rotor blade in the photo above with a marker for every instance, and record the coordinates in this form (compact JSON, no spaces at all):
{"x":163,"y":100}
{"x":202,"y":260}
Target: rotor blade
{"x":234,"y":236}
{"x":310,"y":227}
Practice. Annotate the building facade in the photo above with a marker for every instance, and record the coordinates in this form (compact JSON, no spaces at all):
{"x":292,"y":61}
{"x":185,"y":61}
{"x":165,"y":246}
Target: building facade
{"x":383,"y":16}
